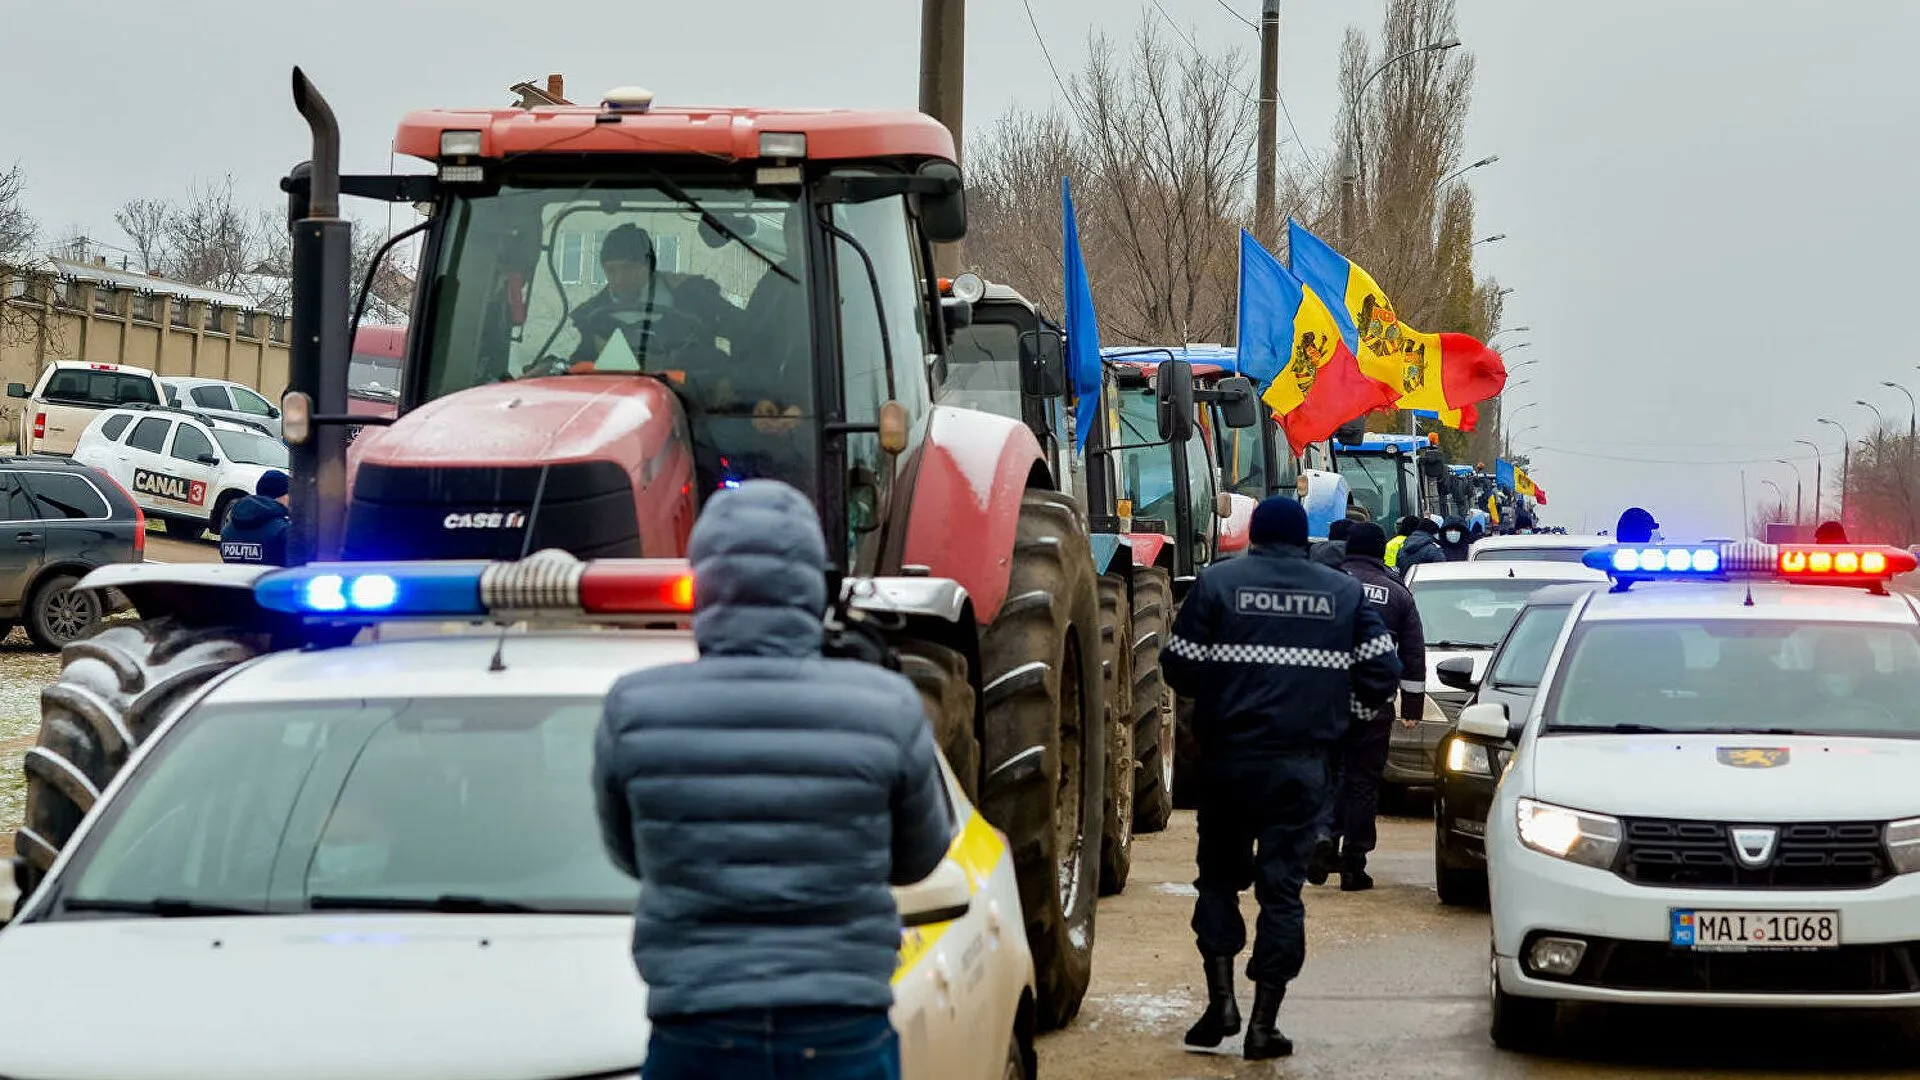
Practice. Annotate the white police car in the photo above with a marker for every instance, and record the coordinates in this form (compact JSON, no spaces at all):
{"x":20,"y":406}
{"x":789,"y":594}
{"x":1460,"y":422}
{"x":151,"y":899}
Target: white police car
{"x":382,"y":860}
{"x":184,"y":470}
{"x":1713,"y":800}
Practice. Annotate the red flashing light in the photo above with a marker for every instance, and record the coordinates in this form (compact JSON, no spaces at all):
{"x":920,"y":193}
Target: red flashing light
{"x":637,"y":587}
{"x":1834,"y":562}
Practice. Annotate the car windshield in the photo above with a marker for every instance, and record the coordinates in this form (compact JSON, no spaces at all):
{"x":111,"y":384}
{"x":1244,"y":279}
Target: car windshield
{"x":1739,"y":675}
{"x":983,"y":369}
{"x":1523,"y":655}
{"x":375,"y":377}
{"x":1539,"y":554}
{"x":482,"y":803}
{"x":1374,"y":480}
{"x":1147,"y":471}
{"x":1470,"y":614}
{"x":249,"y":449}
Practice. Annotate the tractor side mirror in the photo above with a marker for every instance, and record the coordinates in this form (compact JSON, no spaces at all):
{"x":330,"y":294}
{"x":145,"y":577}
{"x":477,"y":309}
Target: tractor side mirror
{"x":943,"y":216}
{"x":1043,"y":364}
{"x":1239,"y":406}
{"x":17,"y":389}
{"x":1175,"y":397}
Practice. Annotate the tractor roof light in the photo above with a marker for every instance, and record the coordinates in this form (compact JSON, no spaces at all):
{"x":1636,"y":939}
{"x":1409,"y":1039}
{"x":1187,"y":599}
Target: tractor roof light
{"x":549,"y":585}
{"x":785,"y":145}
{"x":459,"y":144}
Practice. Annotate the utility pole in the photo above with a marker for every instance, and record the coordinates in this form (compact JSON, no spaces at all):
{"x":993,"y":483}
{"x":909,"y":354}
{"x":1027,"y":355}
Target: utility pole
{"x":1349,"y":177}
{"x":1264,"y":226}
{"x":943,"y":71}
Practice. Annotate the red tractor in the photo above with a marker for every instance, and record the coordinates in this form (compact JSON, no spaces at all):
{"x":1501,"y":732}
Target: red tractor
{"x":624,"y":308}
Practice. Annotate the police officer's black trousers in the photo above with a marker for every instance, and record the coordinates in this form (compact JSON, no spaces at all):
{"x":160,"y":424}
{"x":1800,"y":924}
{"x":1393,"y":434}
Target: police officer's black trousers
{"x":1357,"y":805}
{"x":1258,"y":818}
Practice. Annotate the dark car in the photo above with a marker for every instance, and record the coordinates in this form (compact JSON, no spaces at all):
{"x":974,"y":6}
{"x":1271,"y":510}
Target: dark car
{"x":58,"y":520}
{"x":1467,"y":769}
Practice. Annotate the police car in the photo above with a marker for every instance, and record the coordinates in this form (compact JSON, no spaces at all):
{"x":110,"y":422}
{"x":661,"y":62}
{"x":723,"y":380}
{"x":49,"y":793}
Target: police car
{"x":184,"y":469}
{"x":381,"y":860}
{"x":1711,"y":801}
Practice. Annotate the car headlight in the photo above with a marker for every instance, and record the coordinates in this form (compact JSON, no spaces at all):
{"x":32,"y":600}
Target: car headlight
{"x":1468,"y":758}
{"x":1573,"y":835}
{"x":1903,"y":845}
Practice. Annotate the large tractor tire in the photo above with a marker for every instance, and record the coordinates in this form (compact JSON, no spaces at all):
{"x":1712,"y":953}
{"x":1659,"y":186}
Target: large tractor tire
{"x":940,"y":674}
{"x":1116,"y":684}
{"x":1152,"y":701}
{"x":1043,"y":759}
{"x":114,"y":688}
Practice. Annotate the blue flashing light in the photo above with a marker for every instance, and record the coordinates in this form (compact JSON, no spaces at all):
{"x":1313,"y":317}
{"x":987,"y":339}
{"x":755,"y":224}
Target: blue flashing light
{"x":1652,"y":562}
{"x":426,"y":588}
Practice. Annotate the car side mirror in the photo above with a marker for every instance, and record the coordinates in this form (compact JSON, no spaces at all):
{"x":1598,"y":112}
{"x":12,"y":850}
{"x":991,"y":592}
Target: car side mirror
{"x":1043,"y":364}
{"x":1175,"y":395}
{"x":1239,"y":405}
{"x":943,"y":214}
{"x":206,"y":459}
{"x":1458,"y":673}
{"x":942,"y":896}
{"x":17,"y":389}
{"x":273,"y":412}
{"x":1486,"y":721}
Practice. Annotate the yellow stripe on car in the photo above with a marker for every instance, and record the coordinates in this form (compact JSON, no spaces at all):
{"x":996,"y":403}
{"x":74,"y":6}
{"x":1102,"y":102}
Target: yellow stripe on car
{"x":978,"y":849}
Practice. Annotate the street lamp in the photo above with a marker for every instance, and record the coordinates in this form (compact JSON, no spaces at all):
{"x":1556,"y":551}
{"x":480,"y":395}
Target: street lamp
{"x":1780,"y":497}
{"x":1878,"y":420}
{"x":1508,"y":330}
{"x":1516,"y":348}
{"x":1504,"y":292}
{"x":1819,"y":462}
{"x":1846,"y":458}
{"x":1911,"y":410}
{"x":1494,"y":239}
{"x":1521,"y":364}
{"x":1799,"y":489}
{"x":1356,"y":150}
{"x":1465,"y":169}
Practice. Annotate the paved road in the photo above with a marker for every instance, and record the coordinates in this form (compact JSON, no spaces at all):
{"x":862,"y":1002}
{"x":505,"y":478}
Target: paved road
{"x":1395,"y":986}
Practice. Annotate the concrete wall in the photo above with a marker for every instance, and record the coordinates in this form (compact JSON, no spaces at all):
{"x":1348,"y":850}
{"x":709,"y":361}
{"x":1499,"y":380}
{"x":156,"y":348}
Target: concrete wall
{"x":52,"y":319}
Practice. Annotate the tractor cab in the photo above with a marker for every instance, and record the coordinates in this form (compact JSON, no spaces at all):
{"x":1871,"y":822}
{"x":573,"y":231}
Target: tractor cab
{"x":657,"y":303}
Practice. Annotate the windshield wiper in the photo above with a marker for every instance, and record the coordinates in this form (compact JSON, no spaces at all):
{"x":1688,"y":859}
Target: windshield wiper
{"x":1617,"y":729}
{"x":679,"y":194}
{"x":448,"y":903}
{"x":166,"y":907}
{"x":1445,"y":644}
{"x":1756,"y":731}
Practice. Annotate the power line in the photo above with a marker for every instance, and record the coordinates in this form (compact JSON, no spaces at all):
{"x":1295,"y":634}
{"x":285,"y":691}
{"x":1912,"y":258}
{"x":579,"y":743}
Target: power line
{"x":1671,"y":461}
{"x":1251,"y":25}
{"x":1279,"y":98}
{"x":1044,"y":51}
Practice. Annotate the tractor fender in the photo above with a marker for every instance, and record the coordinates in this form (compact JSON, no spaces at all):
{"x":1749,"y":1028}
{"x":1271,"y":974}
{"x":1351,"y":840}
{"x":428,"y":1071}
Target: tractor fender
{"x":1235,"y":531}
{"x":1110,"y":553}
{"x":971,"y":470}
{"x":1148,"y":548}
{"x":193,"y":594}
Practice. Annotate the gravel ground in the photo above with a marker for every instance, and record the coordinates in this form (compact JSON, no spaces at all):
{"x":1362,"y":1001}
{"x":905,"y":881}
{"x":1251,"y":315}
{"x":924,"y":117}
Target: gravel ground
{"x":23,"y":671}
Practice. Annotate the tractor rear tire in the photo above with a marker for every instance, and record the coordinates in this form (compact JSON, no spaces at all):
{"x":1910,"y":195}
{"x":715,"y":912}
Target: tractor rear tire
{"x":1152,"y":701}
{"x":1116,"y":682}
{"x":940,"y":674}
{"x":1044,"y":766}
{"x":114,"y":688}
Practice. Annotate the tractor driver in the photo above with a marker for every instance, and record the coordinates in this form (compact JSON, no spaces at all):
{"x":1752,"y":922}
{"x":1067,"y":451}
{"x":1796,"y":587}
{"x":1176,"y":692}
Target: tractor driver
{"x":630,"y":304}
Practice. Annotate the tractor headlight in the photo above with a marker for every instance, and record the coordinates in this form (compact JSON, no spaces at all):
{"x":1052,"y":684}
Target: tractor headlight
{"x":1468,"y":758}
{"x":1573,"y":835}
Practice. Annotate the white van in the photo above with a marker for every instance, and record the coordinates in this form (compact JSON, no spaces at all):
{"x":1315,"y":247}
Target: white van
{"x":70,"y":394}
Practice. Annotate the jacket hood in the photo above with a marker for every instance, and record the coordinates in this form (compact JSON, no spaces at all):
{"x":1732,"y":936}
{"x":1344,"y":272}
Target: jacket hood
{"x":255,"y":510}
{"x":1421,"y":540}
{"x":759,"y":573}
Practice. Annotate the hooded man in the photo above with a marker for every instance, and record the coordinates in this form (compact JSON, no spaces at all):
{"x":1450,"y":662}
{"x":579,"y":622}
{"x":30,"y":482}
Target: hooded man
{"x":1422,"y":546}
{"x":768,"y":796}
{"x":1401,"y":531}
{"x":256,"y":527}
{"x":1347,"y":831}
{"x":1453,"y":540}
{"x":1333,"y":550}
{"x":1275,"y":650}
{"x":1636,"y":527}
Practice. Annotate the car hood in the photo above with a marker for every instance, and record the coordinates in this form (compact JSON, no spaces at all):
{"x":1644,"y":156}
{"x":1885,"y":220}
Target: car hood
{"x":527,"y":997}
{"x":1728,"y":777}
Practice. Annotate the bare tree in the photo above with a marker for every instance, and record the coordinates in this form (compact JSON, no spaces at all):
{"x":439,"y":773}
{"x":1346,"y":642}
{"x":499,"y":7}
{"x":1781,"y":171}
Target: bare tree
{"x":24,"y":318}
{"x":145,"y":223}
{"x":1013,"y":201}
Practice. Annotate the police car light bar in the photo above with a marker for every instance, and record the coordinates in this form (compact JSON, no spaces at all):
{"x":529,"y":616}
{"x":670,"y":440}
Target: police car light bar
{"x":1844,"y":563}
{"x":1811,"y":564}
{"x":549,"y":582}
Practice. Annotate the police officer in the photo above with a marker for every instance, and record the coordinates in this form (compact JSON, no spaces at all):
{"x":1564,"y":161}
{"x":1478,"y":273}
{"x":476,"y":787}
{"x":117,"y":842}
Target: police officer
{"x":256,"y":528}
{"x":1277,"y":652}
{"x":1348,"y":833}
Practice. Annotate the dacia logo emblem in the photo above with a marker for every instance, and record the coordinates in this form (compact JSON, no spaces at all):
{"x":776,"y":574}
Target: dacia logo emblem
{"x":1754,"y":846}
{"x":1752,"y":757}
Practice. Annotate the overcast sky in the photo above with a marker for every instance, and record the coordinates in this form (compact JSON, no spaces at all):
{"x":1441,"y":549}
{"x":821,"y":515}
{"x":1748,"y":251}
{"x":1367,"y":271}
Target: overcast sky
{"x":1708,"y":204}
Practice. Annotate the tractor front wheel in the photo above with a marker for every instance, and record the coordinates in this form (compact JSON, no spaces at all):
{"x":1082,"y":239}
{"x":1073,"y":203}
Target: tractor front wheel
{"x":1152,"y":701}
{"x":1116,"y":680}
{"x":1043,"y":768}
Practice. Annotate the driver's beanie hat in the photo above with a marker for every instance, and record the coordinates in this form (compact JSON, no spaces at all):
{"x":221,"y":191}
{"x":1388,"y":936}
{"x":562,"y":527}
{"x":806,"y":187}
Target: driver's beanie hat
{"x":628,"y":243}
{"x":1278,"y":520}
{"x":1367,"y":539}
{"x":273,"y":484}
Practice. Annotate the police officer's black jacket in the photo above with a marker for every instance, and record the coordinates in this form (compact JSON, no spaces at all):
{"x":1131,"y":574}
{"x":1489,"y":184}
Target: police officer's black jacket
{"x":1278,"y":653}
{"x":1386,"y":595}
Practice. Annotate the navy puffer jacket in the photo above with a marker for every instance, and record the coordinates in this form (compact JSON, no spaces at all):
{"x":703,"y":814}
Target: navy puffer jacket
{"x":764,"y":795}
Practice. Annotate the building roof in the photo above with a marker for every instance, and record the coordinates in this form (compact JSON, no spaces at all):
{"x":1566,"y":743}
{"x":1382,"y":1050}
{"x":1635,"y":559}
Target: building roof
{"x":133,"y":279}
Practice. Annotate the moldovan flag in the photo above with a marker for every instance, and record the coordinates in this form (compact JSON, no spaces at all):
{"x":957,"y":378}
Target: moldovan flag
{"x":1291,"y":347}
{"x":1440,"y":374}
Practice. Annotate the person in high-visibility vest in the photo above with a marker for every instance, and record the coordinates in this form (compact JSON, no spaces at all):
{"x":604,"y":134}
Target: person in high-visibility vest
{"x":1402,"y":530}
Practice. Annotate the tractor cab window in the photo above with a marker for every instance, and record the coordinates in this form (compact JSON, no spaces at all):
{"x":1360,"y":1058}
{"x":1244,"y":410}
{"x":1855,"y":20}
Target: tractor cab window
{"x":983,"y":369}
{"x":700,"y":285}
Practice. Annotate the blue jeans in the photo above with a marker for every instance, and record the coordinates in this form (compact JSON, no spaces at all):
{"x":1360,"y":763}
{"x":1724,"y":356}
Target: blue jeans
{"x":775,"y":1044}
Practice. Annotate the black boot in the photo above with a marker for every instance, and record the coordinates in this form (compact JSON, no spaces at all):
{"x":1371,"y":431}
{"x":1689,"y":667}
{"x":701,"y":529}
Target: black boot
{"x":1354,"y":876}
{"x":1326,"y":854}
{"x":1264,"y":1040}
{"x":1222,"y":1017}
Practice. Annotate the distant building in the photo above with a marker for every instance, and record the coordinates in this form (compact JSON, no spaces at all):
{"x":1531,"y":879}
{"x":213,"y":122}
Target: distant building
{"x":72,"y":310}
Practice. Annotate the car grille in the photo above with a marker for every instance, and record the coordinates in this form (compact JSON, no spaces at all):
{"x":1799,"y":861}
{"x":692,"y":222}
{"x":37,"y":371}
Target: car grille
{"x":1450,"y":705}
{"x":1806,"y":855}
{"x":1850,"y":969}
